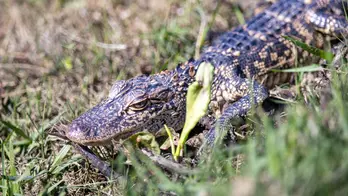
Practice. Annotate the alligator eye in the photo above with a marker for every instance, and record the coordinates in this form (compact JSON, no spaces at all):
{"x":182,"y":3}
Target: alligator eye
{"x":139,"y":105}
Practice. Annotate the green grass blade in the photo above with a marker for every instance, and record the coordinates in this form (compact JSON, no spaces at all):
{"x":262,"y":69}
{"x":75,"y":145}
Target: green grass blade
{"x":17,"y":130}
{"x":61,"y":155}
{"x":309,"y":68}
{"x":171,"y":139}
{"x":4,"y":185}
{"x":318,"y":52}
{"x":51,"y":188}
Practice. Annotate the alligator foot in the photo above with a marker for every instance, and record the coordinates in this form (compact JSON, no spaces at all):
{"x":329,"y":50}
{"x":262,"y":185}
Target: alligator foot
{"x":101,"y":165}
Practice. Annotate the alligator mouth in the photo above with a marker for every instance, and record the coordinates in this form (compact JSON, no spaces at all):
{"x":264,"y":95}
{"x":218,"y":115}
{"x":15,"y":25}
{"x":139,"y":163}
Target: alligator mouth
{"x":101,"y":141}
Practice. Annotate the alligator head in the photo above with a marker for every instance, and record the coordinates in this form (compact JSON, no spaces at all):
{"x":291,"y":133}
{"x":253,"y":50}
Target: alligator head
{"x":143,"y":102}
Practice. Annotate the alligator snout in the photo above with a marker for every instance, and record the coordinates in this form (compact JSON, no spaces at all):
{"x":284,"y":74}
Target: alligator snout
{"x":95,"y":127}
{"x":77,"y":132}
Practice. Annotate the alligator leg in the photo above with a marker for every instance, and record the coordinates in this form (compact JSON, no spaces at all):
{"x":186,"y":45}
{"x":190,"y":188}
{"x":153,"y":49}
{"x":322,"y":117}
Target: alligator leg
{"x":256,"y":95}
{"x":103,"y":167}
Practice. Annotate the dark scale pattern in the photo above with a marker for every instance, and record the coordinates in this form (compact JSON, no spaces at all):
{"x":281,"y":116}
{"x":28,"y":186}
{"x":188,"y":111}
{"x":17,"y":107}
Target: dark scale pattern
{"x":236,"y":40}
{"x":217,"y":59}
{"x":243,"y":59}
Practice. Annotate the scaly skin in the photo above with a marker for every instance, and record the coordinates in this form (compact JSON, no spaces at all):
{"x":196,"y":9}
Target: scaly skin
{"x":243,"y":59}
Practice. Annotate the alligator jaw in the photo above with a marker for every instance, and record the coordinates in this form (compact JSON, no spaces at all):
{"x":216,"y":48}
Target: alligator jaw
{"x":73,"y":136}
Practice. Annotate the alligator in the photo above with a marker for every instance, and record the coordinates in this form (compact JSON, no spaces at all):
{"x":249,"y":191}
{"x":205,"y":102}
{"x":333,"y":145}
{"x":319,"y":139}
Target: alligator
{"x":243,"y":59}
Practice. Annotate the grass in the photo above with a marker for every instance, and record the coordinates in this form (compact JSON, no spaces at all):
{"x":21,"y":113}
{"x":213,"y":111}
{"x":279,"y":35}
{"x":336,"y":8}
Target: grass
{"x":300,"y":151}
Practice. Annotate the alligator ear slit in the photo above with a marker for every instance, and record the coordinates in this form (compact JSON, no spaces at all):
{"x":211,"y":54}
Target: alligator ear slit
{"x":192,"y":71}
{"x":155,"y":101}
{"x":175,"y":77}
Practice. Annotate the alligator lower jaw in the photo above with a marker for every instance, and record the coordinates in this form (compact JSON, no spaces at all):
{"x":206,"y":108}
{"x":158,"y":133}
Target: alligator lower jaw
{"x":105,"y":141}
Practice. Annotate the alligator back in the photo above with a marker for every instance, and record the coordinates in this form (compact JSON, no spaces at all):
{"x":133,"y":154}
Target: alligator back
{"x":257,"y":48}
